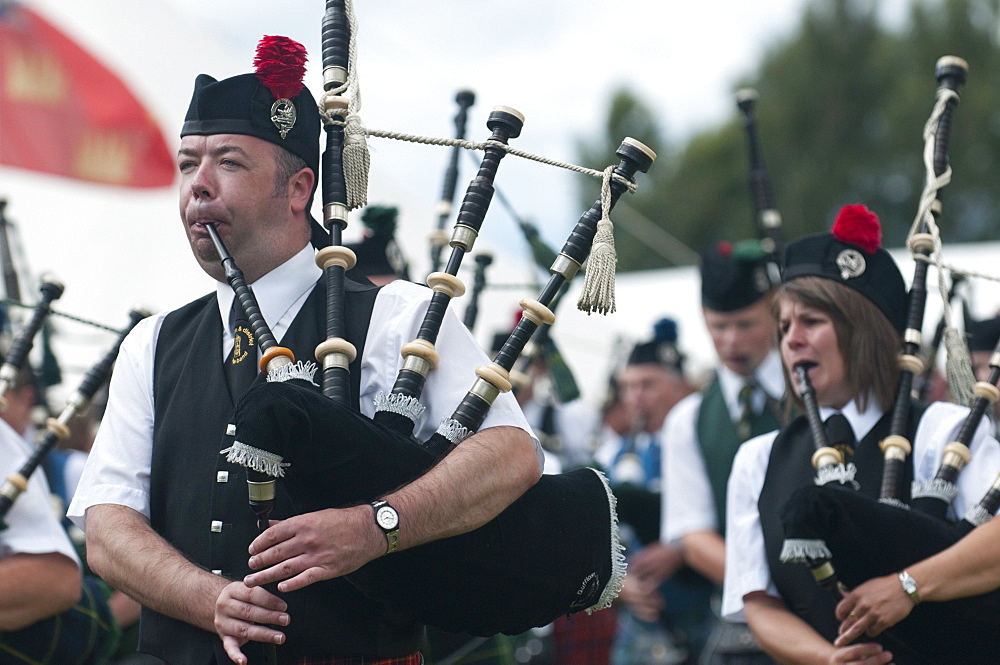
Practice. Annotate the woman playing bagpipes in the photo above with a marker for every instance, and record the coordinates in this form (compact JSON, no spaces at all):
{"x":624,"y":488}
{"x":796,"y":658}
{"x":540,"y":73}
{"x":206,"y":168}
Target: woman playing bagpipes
{"x":841,"y":312}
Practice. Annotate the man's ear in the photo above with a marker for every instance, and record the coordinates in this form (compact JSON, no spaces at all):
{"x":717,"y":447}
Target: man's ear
{"x":300,"y":188}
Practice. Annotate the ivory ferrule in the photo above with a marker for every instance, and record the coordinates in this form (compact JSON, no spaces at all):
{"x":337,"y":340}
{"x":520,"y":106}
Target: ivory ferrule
{"x":536,"y":312}
{"x":16,"y":483}
{"x":336,"y":352}
{"x":921,"y":242}
{"x":60,"y":430}
{"x":956,"y":455}
{"x":987,"y":391}
{"x":911,"y":364}
{"x":464,"y":237}
{"x":912,"y":336}
{"x":827,"y":456}
{"x":443,"y":209}
{"x":895,"y":447}
{"x":564,"y":266}
{"x":496,"y":375}
{"x":446,"y":283}
{"x":420,"y":350}
{"x":336,"y":256}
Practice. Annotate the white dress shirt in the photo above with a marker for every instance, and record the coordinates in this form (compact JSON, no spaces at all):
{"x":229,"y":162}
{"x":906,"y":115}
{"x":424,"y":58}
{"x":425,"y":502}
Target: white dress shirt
{"x":118,"y":469}
{"x":688,"y":502}
{"x":32,"y":524}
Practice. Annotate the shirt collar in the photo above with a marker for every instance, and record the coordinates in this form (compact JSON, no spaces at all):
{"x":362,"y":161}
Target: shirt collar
{"x":768,"y":376}
{"x":276,"y":290}
{"x":861,"y":421}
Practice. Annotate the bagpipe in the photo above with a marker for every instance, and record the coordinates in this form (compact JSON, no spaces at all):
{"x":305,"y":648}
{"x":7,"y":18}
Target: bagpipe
{"x":761,"y":188}
{"x":57,"y":429}
{"x":50,"y":291}
{"x":554,"y":551}
{"x":846,"y":537}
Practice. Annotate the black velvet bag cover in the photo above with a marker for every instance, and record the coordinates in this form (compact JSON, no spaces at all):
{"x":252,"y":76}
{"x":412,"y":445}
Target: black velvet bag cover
{"x":869,"y":539}
{"x":554,"y":551}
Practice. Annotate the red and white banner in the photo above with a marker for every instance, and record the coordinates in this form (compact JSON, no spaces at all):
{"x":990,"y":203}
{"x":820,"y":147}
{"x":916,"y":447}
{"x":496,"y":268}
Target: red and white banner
{"x":62,"y":112}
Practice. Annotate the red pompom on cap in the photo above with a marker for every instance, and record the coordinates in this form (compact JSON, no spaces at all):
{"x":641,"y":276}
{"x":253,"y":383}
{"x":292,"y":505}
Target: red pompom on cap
{"x":280,"y":66}
{"x":725,"y":249}
{"x":858,"y":225}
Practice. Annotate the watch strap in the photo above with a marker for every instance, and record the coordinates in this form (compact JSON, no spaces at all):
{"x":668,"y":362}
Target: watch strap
{"x":391,"y":535}
{"x":909,"y":586}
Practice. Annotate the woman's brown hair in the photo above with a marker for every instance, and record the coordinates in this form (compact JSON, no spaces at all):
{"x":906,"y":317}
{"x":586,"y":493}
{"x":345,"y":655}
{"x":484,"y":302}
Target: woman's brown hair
{"x":867,"y":340}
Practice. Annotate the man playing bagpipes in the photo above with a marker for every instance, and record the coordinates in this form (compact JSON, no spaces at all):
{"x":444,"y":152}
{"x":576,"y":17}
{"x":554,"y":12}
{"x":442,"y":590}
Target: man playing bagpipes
{"x":707,"y":428}
{"x":166,"y":516}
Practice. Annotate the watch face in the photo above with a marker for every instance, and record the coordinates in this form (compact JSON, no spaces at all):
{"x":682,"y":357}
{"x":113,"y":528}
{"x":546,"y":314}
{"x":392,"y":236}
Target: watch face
{"x":387,"y":518}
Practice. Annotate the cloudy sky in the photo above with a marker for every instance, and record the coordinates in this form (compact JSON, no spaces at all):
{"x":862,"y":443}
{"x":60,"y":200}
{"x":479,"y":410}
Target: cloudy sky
{"x":558,"y":62}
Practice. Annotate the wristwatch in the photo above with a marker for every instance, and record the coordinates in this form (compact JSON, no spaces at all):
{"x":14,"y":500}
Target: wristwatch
{"x":910,"y":587}
{"x":387,"y":519}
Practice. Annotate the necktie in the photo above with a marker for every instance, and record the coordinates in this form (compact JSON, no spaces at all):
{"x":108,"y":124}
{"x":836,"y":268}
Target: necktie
{"x":743,"y":425}
{"x":840,"y":434}
{"x":241,"y":363}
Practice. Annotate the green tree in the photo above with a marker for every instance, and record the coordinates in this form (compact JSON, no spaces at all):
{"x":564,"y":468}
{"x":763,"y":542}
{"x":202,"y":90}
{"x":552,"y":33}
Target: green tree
{"x":842,"y":106}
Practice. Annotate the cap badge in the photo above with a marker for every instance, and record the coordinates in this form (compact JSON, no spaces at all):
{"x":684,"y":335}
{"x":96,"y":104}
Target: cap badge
{"x":283,"y":115}
{"x":851,"y":263}
{"x":761,"y":282}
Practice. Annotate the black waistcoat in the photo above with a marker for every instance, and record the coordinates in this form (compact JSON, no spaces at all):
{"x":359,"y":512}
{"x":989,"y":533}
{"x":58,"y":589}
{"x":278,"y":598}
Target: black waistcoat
{"x":788,"y":469}
{"x":199,"y":501}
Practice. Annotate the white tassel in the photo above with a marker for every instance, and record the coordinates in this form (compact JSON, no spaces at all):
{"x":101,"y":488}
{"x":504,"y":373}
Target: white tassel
{"x":958,"y":367}
{"x":357,"y":162}
{"x":598,"y":292}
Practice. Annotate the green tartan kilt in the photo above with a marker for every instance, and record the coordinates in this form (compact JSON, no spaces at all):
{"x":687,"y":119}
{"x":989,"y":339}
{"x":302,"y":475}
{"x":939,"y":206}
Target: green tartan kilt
{"x":86,"y":634}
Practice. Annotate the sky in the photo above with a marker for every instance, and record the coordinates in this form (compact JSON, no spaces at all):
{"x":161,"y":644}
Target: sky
{"x":557,"y":62}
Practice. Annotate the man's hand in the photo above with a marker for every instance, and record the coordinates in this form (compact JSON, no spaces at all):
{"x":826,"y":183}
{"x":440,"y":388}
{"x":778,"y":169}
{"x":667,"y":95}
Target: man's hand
{"x":239,"y":612}
{"x":308,"y":548}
